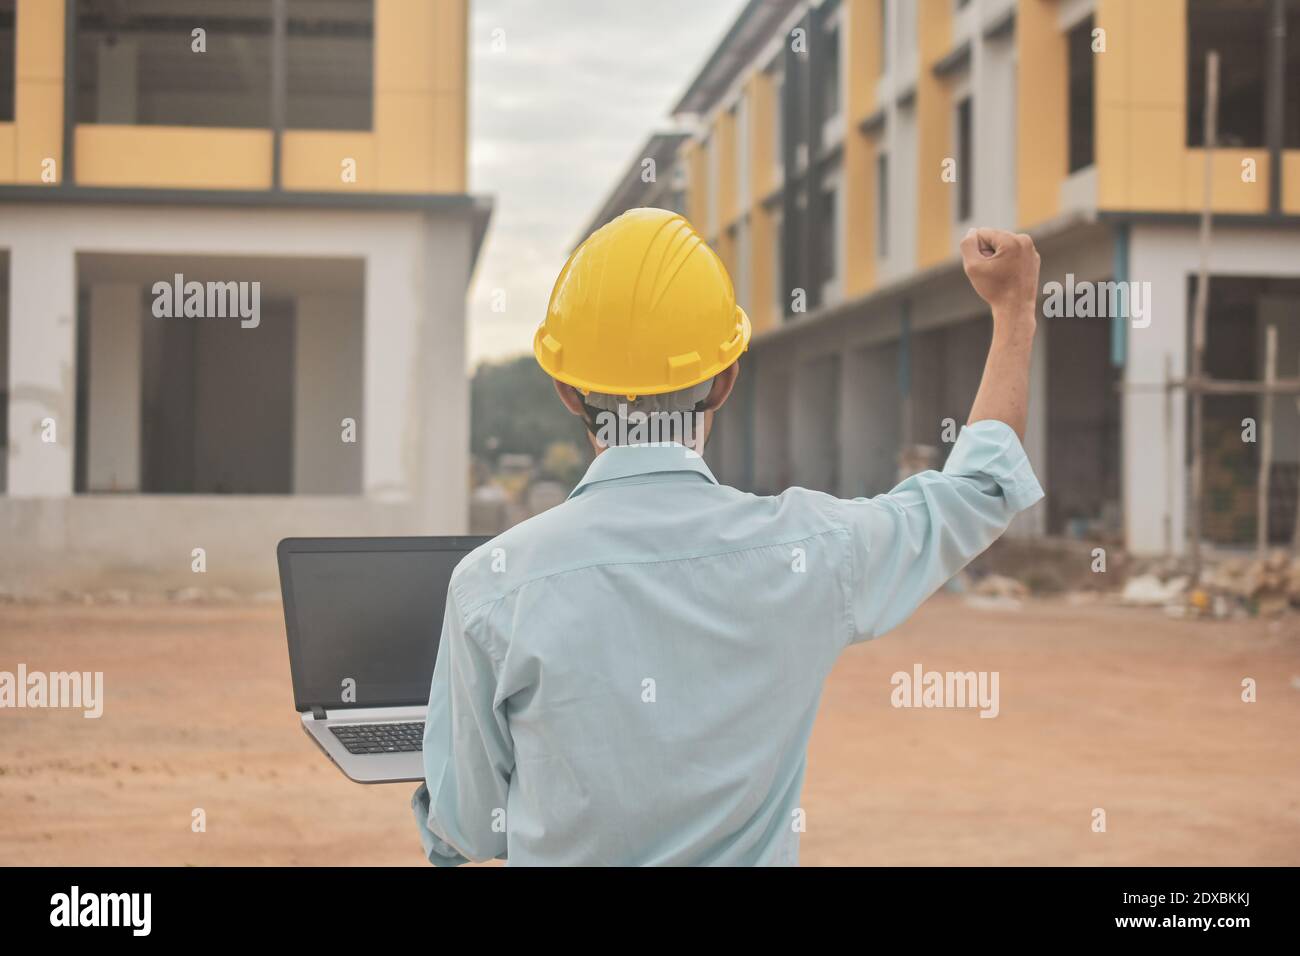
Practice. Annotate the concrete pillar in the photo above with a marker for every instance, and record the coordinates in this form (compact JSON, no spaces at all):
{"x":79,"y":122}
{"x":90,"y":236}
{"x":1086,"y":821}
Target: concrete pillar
{"x":42,"y":370}
{"x":1034,"y":521}
{"x":814,"y":433}
{"x":328,"y":350}
{"x":441,"y":387}
{"x":870,"y":424}
{"x":113,"y":382}
{"x":388,"y":439}
{"x":772,"y":422}
{"x":1154,"y":450}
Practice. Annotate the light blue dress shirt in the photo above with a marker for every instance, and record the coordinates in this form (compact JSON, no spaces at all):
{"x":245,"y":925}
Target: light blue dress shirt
{"x":632,"y":677}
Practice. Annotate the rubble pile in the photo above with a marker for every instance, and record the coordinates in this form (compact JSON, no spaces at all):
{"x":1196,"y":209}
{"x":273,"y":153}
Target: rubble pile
{"x":1230,"y":587}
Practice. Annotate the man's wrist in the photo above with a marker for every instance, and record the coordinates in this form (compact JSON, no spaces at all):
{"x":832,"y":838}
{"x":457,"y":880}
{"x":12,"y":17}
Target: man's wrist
{"x":1014,"y":321}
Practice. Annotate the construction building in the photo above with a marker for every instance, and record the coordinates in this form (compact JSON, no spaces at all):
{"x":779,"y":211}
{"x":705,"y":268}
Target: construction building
{"x":836,"y":152}
{"x":235,"y":243}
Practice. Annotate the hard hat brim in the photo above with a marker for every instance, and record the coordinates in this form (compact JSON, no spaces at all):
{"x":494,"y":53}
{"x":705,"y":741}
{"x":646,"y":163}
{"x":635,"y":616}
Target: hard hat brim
{"x":728,"y":354}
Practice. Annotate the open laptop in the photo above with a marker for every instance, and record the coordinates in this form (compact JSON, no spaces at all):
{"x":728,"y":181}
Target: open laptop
{"x":363,"y":617}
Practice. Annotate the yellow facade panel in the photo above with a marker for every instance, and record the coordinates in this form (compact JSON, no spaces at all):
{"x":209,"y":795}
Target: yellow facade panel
{"x":38,"y":41}
{"x":38,"y":130}
{"x":762,"y":279}
{"x":1291,"y":182}
{"x":406,"y":45}
{"x":7,"y":146}
{"x":1041,"y":115}
{"x":451,"y":44}
{"x":1229,"y":193}
{"x":449,"y":155}
{"x":324,"y":160}
{"x":1154,"y":163}
{"x":934,"y":136}
{"x":696,"y":157}
{"x":405,"y":141}
{"x":724,"y":141}
{"x":173,"y":157}
{"x":1154,"y":43}
{"x":762,"y":136}
{"x":863,"y":55}
{"x":860,"y":198}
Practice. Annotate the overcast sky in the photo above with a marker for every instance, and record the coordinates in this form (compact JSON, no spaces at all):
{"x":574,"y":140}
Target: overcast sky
{"x":555,"y":117}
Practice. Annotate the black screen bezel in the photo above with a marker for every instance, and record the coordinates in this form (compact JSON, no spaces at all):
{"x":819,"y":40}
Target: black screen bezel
{"x":290,"y":546}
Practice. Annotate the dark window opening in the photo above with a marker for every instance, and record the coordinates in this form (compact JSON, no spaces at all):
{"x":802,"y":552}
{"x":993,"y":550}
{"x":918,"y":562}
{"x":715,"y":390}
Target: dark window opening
{"x":1238,"y":30}
{"x":1291,"y":84}
{"x":194,"y":63}
{"x":330,"y":64}
{"x":965,"y":158}
{"x":4,"y":369}
{"x":205,"y":403}
{"x":8,"y":64}
{"x":826,"y":246}
{"x":882,"y":205}
{"x":831,"y":74}
{"x":884,"y":36}
{"x":1082,"y":112}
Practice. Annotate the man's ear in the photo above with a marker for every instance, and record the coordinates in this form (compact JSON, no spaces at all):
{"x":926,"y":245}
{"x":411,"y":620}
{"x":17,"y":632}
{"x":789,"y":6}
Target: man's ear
{"x":570,"y":396}
{"x":723,"y":383}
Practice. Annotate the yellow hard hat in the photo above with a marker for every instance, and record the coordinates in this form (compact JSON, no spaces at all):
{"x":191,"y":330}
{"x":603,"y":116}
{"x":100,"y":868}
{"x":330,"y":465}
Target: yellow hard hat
{"x":642,"y":307}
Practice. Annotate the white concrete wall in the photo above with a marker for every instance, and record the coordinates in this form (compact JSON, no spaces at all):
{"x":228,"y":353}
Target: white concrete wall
{"x":113,"y":383}
{"x":870,"y":421}
{"x":327,"y":389}
{"x":42,"y":356}
{"x":1155,"y":477}
{"x":994,"y":83}
{"x":414,"y":421}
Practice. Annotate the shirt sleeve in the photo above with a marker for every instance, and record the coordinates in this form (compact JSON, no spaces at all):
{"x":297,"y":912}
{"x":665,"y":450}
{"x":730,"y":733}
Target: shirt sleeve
{"x":468,"y":753}
{"x":907,"y":543}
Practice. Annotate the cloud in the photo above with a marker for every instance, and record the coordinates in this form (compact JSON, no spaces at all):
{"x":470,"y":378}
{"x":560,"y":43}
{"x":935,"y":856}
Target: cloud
{"x":555,"y":117}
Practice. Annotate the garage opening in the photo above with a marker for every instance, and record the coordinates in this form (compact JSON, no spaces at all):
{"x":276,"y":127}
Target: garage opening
{"x":210,"y":375}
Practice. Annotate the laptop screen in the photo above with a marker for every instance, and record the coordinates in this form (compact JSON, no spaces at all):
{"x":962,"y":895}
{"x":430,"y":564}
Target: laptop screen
{"x":371,"y":617}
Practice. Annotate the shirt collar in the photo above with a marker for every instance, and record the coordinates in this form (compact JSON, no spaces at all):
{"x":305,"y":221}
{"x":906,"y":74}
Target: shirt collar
{"x":628,"y":461}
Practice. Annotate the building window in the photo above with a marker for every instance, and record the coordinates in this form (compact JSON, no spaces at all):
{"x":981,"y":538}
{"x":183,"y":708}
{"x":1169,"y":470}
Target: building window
{"x":965,"y":160}
{"x":1081,"y":67}
{"x":778,"y":116}
{"x":884,"y":36}
{"x":8,"y":66}
{"x":1291,"y":132}
{"x":778,"y":266}
{"x":882,"y":205}
{"x":828,"y":231}
{"x":1238,"y":29}
{"x":831,"y":74}
{"x":711,"y":187}
{"x":742,"y":155}
{"x":144,"y":64}
{"x":329,"y":62}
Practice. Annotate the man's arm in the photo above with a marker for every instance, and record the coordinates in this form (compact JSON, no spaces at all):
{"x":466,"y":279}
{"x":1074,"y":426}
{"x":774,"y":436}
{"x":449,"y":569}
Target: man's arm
{"x":909,"y":542}
{"x":468,"y":752}
{"x":1003,"y":268}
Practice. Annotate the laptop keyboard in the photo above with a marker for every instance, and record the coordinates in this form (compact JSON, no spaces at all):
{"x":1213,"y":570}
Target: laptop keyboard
{"x":390,"y":738}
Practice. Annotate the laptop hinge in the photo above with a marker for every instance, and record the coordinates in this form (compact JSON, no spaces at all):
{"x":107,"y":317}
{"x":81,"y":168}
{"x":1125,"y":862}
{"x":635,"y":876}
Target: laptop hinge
{"x":318,"y":712}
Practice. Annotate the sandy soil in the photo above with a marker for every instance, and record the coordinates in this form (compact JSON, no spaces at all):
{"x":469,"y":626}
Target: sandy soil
{"x":1100,"y":707}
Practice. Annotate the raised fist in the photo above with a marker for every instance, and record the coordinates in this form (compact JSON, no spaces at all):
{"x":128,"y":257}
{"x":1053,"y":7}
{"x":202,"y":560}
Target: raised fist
{"x":1003,"y":268}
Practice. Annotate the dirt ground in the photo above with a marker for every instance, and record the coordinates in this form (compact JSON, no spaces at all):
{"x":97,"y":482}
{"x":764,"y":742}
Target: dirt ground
{"x":1124,"y":710}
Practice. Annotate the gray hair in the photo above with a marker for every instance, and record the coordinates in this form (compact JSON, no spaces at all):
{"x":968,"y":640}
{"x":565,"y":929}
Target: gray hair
{"x":682,"y":400}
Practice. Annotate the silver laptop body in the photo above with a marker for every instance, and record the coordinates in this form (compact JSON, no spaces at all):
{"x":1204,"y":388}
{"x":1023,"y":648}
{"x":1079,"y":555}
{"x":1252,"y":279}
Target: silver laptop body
{"x":363,"y":617}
